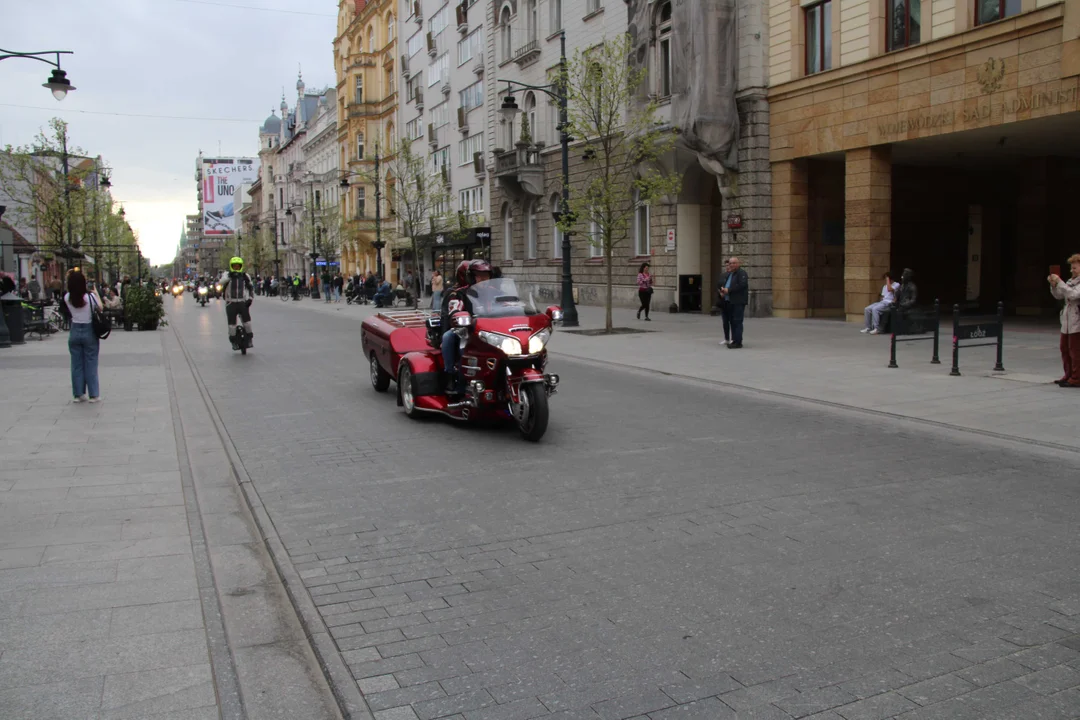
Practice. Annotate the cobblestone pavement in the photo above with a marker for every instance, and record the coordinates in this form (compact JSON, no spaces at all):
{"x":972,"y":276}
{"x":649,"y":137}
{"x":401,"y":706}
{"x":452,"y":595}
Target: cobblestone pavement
{"x":672,"y":549}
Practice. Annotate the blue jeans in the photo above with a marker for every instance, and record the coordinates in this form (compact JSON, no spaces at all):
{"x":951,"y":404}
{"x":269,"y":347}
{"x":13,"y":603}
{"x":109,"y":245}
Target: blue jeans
{"x":450,"y":351}
{"x":83,"y":346}
{"x":436,"y":300}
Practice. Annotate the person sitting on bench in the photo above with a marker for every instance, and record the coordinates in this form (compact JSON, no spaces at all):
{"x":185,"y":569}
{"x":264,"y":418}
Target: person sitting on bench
{"x":872,"y":312}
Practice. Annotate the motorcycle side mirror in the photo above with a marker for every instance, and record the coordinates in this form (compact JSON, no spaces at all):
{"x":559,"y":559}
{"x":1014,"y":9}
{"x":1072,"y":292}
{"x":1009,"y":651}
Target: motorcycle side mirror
{"x":554,"y":313}
{"x":434,"y":322}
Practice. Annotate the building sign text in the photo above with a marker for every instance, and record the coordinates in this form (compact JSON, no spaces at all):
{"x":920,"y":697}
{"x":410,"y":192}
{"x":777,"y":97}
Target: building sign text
{"x":981,"y":111}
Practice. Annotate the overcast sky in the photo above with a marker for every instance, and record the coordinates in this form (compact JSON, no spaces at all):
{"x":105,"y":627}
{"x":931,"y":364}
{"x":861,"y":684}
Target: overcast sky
{"x":179,"y":58}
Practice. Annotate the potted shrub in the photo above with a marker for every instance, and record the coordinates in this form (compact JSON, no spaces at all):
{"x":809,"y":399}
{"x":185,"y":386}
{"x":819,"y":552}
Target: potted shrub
{"x":143,"y":308}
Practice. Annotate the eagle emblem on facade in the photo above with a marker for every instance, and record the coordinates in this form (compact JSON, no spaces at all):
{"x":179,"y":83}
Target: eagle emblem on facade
{"x":991,"y":74}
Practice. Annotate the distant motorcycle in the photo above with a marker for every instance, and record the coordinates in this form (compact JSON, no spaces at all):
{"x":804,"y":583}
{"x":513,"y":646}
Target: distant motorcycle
{"x":204,"y":295}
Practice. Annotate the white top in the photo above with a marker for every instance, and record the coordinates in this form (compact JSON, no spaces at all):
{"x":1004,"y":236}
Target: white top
{"x":888,"y":294}
{"x":81,"y":315}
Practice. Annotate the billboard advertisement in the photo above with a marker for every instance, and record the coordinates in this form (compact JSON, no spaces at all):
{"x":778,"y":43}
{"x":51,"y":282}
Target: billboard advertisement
{"x":222,"y":178}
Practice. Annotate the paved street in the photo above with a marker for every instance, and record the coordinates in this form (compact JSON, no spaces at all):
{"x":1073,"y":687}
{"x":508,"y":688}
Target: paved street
{"x":132,"y":580}
{"x":672,"y":549}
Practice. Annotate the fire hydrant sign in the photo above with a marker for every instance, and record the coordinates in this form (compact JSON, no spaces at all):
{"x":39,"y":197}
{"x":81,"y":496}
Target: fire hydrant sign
{"x":671,"y":240}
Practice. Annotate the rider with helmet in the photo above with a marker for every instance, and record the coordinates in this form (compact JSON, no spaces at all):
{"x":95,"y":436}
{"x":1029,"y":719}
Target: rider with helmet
{"x":234,"y":284}
{"x":469,"y":272}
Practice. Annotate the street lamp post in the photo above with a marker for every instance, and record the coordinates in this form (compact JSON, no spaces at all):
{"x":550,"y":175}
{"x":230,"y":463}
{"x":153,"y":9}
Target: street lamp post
{"x":558,"y":92}
{"x":57,"y":82}
{"x":378,"y":245}
{"x":314,"y":250}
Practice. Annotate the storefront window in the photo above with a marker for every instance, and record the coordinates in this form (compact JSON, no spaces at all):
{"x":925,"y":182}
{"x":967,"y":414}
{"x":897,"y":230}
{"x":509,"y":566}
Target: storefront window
{"x":990,"y":10}
{"x":819,"y":37}
{"x":905,"y":23}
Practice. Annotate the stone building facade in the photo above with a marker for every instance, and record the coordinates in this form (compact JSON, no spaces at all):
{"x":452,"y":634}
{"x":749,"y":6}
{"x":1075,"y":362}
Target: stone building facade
{"x":942,"y":136}
{"x":723,"y":207}
{"x":367,"y":66}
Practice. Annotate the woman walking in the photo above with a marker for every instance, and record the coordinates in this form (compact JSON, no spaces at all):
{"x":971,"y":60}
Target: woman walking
{"x":644,"y":289}
{"x":436,"y":290}
{"x":83,"y":344}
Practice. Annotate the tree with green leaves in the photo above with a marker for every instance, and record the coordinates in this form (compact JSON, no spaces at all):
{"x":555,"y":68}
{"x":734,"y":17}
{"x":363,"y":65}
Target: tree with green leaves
{"x":417,"y":194}
{"x":622,"y":142}
{"x":257,"y":249}
{"x":32,"y":178}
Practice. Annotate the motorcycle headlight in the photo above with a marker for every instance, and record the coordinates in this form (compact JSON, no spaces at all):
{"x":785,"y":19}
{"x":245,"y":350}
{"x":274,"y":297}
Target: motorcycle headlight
{"x":217,"y":288}
{"x":509,"y":346}
{"x":538,"y":341}
{"x":202,"y":291}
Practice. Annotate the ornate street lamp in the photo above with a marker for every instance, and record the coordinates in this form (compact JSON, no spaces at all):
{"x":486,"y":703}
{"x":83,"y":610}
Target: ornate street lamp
{"x":509,"y":108}
{"x":57,"y":82}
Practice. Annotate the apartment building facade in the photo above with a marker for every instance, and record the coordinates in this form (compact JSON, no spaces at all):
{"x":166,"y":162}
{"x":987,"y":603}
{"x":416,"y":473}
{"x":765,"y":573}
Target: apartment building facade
{"x":442,"y":112}
{"x":704,"y":65}
{"x":366,"y":65}
{"x":940,"y":135}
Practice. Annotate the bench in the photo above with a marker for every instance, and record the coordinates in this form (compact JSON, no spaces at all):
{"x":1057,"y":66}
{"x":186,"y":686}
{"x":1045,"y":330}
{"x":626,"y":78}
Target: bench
{"x":911,"y":325}
{"x":34,"y":321}
{"x":116,"y":316}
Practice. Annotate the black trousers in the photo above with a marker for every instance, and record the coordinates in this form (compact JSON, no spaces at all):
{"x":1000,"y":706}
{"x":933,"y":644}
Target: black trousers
{"x":645,"y":296}
{"x":725,"y":316}
{"x":232,"y":310}
{"x":737,"y":312}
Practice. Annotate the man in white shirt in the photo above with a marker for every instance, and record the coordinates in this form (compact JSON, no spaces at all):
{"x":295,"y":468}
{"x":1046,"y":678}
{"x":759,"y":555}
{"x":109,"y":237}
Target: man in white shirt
{"x":872,"y":313}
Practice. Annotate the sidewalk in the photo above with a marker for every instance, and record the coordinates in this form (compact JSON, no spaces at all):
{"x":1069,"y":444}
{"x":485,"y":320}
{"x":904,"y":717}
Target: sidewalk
{"x":132,"y":583}
{"x":830,"y":361}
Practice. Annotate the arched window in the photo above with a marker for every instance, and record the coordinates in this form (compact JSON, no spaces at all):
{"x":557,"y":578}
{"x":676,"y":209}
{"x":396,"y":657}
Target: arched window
{"x":371,"y":38}
{"x":663,"y":45}
{"x":530,"y":112}
{"x":504,"y":32}
{"x":532,"y":20}
{"x":531,"y":230}
{"x":508,"y":232}
{"x":390,"y":27}
{"x":556,"y":236}
{"x":642,"y":246}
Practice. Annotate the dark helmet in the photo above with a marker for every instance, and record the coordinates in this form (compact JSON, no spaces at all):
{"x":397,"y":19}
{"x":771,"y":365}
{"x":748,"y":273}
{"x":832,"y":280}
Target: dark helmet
{"x":462,"y":273}
{"x":478,"y":266}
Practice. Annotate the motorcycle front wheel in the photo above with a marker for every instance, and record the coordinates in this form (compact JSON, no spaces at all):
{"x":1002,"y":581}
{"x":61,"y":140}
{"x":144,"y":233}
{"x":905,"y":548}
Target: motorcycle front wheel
{"x":532,"y":412}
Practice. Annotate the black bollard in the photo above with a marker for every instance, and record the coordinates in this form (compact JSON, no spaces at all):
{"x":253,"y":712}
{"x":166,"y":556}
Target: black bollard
{"x":1001,"y":337}
{"x":955,"y":340}
{"x":937,"y":327}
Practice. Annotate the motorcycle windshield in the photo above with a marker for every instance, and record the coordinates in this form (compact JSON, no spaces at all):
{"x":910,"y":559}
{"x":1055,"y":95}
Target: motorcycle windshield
{"x":500,"y":298}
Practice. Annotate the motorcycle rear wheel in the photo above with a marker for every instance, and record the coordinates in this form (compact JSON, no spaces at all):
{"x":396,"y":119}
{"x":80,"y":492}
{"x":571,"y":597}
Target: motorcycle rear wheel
{"x":380,"y":379}
{"x":533,"y":417}
{"x":405,"y":387}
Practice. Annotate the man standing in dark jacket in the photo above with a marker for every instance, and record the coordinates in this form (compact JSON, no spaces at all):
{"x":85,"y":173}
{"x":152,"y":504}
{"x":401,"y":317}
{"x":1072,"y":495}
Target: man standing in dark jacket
{"x":723,"y":304}
{"x":736,"y":293}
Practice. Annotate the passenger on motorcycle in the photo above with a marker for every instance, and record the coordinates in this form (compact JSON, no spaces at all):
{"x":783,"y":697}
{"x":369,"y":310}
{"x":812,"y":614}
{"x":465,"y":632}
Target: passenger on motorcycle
{"x":234,"y":284}
{"x":469,"y":272}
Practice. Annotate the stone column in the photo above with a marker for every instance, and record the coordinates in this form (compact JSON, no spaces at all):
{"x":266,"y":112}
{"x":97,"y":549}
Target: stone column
{"x":790,"y":238}
{"x":1031,"y":264}
{"x":751,"y":199}
{"x":867,"y":227}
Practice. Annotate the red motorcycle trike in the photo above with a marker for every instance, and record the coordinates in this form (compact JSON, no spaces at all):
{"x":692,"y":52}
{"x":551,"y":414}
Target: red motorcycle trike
{"x":503,"y":344}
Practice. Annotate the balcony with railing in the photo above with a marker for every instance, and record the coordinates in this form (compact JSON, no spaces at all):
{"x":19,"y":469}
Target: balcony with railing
{"x":527,"y":53}
{"x":521,"y":170}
